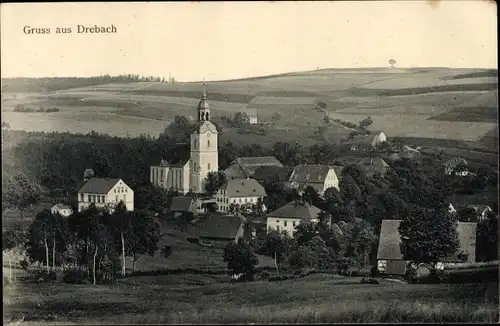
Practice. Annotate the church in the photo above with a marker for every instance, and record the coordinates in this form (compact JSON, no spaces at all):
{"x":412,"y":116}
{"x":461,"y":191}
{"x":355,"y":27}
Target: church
{"x":187,"y":169}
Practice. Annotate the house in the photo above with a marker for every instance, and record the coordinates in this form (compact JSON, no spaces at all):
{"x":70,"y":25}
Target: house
{"x":61,"y":209}
{"x":105,"y":193}
{"x":374,"y":165}
{"x":481,"y":211}
{"x":389,"y":256}
{"x":239,"y":192}
{"x":451,"y":209}
{"x":292,"y":214}
{"x":277,"y":173}
{"x":320,"y":177}
{"x":218,"y":230}
{"x":369,"y":142}
{"x":182,"y":205}
{"x":188,"y":165}
{"x":456,"y":166}
{"x":244,"y":167}
{"x":253,"y":115}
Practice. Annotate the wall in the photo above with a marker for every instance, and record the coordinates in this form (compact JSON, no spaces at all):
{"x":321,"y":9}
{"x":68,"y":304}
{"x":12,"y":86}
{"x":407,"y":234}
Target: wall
{"x":278,"y":223}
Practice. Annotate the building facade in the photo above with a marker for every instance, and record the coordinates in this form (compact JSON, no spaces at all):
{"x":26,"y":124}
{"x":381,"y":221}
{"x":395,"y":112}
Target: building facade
{"x":105,"y":193}
{"x":63,"y":210}
{"x":320,"y":177}
{"x":288,"y":217}
{"x":241,"y":193}
{"x":188,"y":170}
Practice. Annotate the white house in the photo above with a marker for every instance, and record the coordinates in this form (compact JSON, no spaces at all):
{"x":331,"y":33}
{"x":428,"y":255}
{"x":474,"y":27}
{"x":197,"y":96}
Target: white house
{"x":63,"y":210}
{"x":239,"y":192}
{"x":456,"y":166}
{"x":105,"y":193}
{"x":292,"y":214}
{"x":188,"y":166}
{"x":320,"y":177}
{"x":481,"y":211}
{"x":253,"y":116}
{"x":367,"y":142}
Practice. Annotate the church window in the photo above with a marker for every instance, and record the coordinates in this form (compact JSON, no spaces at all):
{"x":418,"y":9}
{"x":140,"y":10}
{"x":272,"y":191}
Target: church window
{"x":208,"y":143}
{"x":194,"y":166}
{"x":208,"y":165}
{"x":195,"y":143}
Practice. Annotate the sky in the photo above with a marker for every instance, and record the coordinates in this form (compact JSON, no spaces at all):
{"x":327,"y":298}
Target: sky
{"x":226,"y":40}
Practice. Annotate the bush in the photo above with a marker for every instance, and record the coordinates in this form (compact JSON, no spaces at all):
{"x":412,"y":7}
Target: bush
{"x":24,"y":264}
{"x":75,"y":276}
{"x":264,"y":275}
{"x":368,"y":280}
{"x":41,"y":276}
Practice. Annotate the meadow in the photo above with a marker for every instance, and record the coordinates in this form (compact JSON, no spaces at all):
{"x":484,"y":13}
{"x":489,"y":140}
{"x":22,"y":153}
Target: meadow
{"x":435,"y":103}
{"x":187,"y":298}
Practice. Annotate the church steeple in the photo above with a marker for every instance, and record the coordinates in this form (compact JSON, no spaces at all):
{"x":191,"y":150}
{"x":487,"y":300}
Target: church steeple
{"x":203,"y":107}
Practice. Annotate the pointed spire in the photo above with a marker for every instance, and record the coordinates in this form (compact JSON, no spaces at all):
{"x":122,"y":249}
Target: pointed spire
{"x":204,"y":96}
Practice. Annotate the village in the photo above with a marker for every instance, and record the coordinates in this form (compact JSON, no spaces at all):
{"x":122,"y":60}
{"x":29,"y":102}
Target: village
{"x":304,"y":218}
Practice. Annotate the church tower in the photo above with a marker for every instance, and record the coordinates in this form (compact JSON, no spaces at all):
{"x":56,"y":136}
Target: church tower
{"x":204,"y":147}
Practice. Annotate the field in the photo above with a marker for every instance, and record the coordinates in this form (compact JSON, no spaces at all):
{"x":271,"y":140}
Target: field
{"x":318,"y":298}
{"x":440,"y":103}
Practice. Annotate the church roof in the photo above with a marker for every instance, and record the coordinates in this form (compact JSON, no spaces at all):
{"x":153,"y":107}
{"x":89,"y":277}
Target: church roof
{"x":203,"y":104}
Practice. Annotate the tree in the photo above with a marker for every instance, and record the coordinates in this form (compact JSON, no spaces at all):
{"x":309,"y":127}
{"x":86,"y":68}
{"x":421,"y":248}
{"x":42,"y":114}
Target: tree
{"x":144,"y":235}
{"x":276,"y":244}
{"x":392,"y":62}
{"x":303,"y":257}
{"x":428,"y":235}
{"x":214,"y":181}
{"x":276,"y":117}
{"x":487,"y":239}
{"x":20,"y":193}
{"x":360,"y":241}
{"x":240,"y":119}
{"x":12,"y":238}
{"x":352,"y":135}
{"x":321,"y":104}
{"x":154,"y":199}
{"x":304,"y":232}
{"x":365,"y":122}
{"x":121,"y":225}
{"x":240,"y":258}
{"x":40,"y":236}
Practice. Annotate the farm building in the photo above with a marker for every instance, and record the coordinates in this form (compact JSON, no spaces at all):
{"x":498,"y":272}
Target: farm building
{"x":390,"y":259}
{"x":292,"y":214}
{"x":362,"y":143}
{"x":278,"y":173}
{"x":61,"y":209}
{"x":105,"y":193}
{"x":218,"y":230}
{"x":374,"y":165}
{"x":456,"y":166}
{"x":320,"y":177}
{"x":245,"y":167}
{"x":240,"y":192}
{"x":253,"y":115}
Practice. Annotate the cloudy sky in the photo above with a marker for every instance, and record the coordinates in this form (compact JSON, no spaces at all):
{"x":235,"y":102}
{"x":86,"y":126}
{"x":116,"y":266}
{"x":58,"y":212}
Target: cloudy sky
{"x":213,"y":41}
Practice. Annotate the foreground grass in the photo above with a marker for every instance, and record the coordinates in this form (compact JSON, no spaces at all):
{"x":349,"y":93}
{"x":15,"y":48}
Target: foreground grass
{"x":318,"y":298}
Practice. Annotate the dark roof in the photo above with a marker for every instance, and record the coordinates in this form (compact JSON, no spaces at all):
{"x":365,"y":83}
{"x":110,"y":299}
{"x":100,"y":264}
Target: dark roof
{"x":99,"y":185}
{"x":364,"y":140}
{"x":390,"y":239}
{"x":455,"y":161}
{"x":479,"y":208}
{"x":179,"y":155}
{"x":309,"y":173}
{"x":218,"y":226}
{"x":300,"y":210}
{"x":244,"y":188}
{"x":182,"y":204}
{"x":258,"y":161}
{"x":235,"y":171}
{"x":282,"y":173}
{"x":373,"y":165}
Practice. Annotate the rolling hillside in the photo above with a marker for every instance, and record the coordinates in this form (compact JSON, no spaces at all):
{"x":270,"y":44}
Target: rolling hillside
{"x":440,"y":103}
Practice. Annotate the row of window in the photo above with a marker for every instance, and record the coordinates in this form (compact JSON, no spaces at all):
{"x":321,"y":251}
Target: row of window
{"x":195,"y":166}
{"x":239,"y":200}
{"x":121,"y":189}
{"x":196,"y":143}
{"x":100,"y":199}
{"x":285,"y":223}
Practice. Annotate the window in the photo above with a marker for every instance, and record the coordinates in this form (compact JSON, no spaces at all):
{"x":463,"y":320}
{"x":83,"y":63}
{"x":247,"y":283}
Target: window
{"x":114,"y":190}
{"x":208,"y":165}
{"x":103,"y":199}
{"x":195,"y":143}
{"x":194,"y":166}
{"x":284,"y":223}
{"x":89,"y":198}
{"x":293,"y":223}
{"x":98,"y":199}
{"x":277,"y":221}
{"x":116,"y":198}
{"x":125,"y":189}
{"x":81,"y":197}
{"x":93,"y":198}
{"x":245,"y":200}
{"x":208,"y":143}
{"x":239,"y":200}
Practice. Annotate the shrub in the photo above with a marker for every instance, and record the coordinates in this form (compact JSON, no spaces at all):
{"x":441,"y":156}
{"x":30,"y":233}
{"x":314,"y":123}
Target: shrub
{"x":368,"y":280}
{"x":264,"y":275}
{"x":41,"y":276}
{"x":24,"y":264}
{"x":75,"y":276}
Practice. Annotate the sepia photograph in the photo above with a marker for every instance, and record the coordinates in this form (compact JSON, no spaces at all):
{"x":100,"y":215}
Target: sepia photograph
{"x":284,"y":162}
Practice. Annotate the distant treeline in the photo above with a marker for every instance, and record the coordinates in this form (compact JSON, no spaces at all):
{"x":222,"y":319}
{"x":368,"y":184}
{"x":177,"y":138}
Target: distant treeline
{"x":49,"y":84}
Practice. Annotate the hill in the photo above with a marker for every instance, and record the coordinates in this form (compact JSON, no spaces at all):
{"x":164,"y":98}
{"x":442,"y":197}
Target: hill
{"x":429,"y":103}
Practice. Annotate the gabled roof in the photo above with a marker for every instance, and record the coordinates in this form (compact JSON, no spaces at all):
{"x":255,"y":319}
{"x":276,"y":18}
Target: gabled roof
{"x":258,"y":161}
{"x":390,"y":239}
{"x":299,"y":210}
{"x":281,"y":173}
{"x":182,"y":204}
{"x":309,"y":173}
{"x":373,"y":165}
{"x":251,"y":112}
{"x":363,"y":140}
{"x":235,"y":171}
{"x":244,"y":188}
{"x":61,"y":206}
{"x":99,"y":185}
{"x":219,"y":226}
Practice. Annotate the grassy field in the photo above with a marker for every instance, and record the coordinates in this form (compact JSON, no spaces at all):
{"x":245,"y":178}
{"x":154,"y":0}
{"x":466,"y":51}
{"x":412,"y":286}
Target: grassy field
{"x":318,"y":298}
{"x":443,"y":103}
